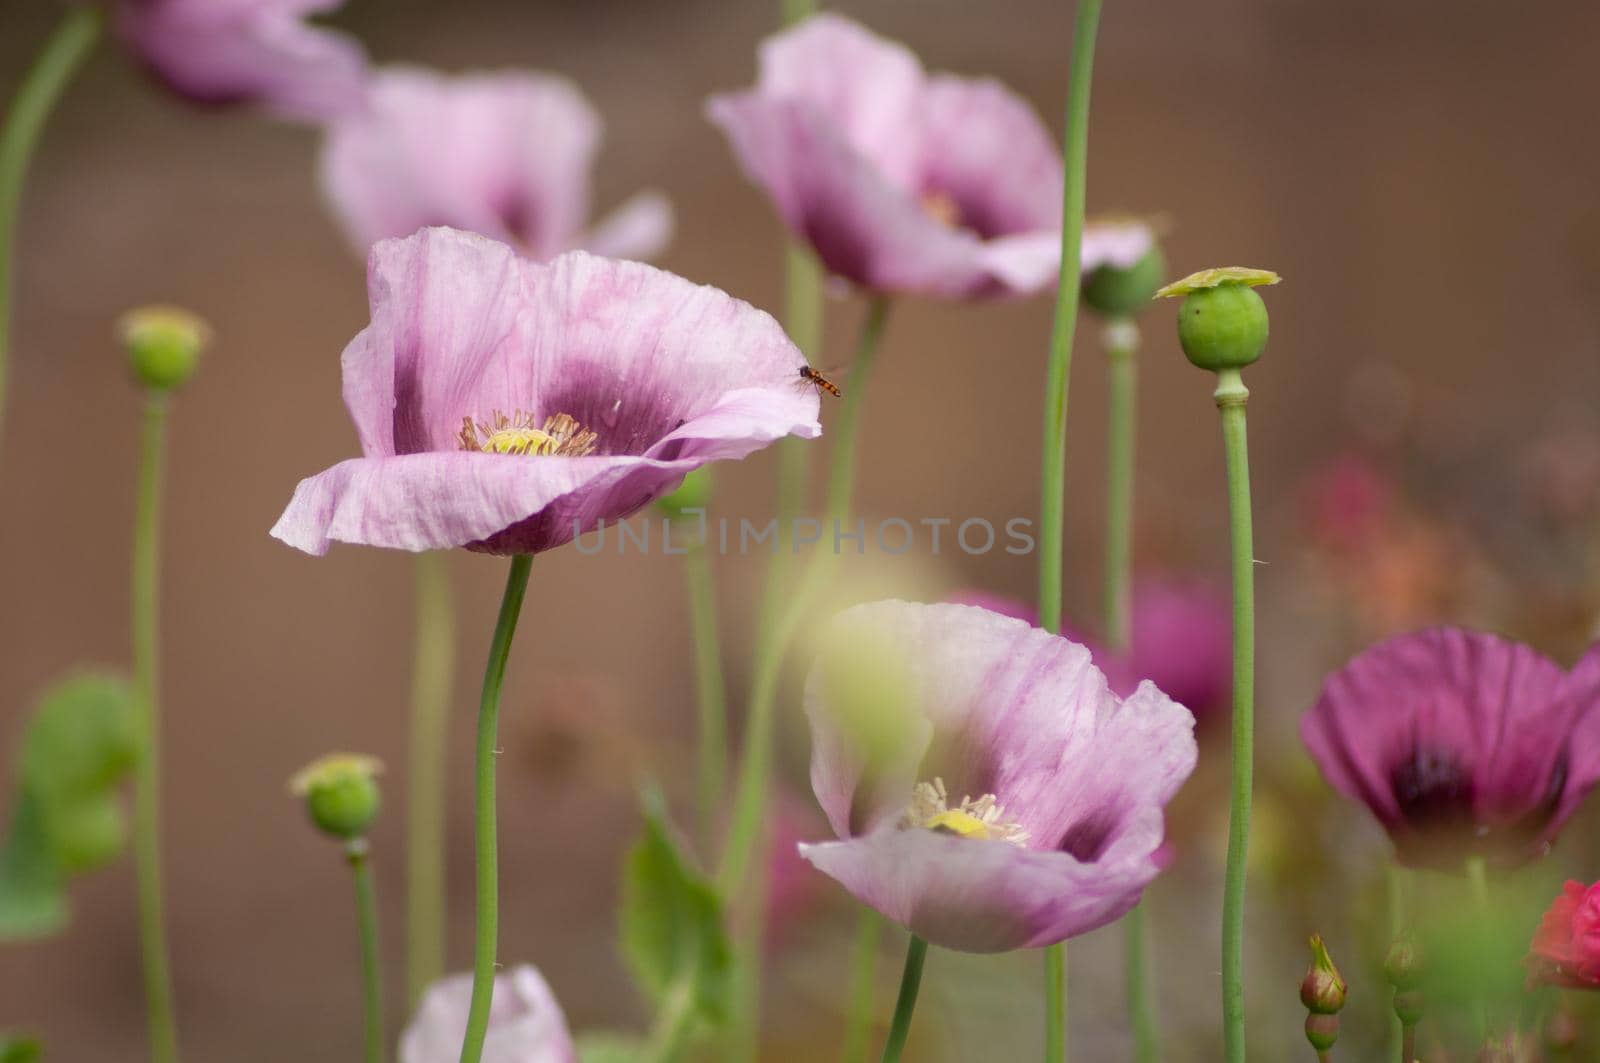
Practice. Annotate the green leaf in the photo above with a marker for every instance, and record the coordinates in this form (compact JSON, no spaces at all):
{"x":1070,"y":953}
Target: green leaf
{"x":15,"y":1048}
{"x":67,"y":817}
{"x":672,"y":923}
{"x":600,"y":1047}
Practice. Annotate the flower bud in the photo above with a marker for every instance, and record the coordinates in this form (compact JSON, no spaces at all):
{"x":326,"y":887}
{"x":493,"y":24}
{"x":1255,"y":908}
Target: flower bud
{"x":1222,"y":324}
{"x":693,"y":493}
{"x":164,"y":345}
{"x":1402,"y":967}
{"x":1323,"y":990}
{"x":1114,"y":292}
{"x":1408,"y":1006}
{"x":341,"y":793}
{"x":1322,"y":1031}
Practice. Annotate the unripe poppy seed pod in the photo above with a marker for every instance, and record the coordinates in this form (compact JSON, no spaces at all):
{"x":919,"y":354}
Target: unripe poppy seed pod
{"x":1222,"y":323}
{"x":341,"y":793}
{"x":164,"y":345}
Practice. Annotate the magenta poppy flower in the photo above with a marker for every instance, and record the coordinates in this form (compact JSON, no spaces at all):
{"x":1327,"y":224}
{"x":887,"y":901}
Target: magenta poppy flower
{"x":902,"y":181}
{"x":1462,"y":744}
{"x":1566,"y":947}
{"x":525,"y":1022}
{"x":508,"y":155}
{"x":508,"y":406}
{"x":248,"y":51}
{"x":988,"y":789}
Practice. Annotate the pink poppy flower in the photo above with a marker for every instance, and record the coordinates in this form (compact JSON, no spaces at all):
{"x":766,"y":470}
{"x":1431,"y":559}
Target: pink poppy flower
{"x":508,"y":155}
{"x":1461,"y":743}
{"x":508,"y":406}
{"x":525,"y":1022}
{"x":988,"y":789}
{"x":901,"y":181}
{"x":1566,"y":947}
{"x":248,"y":51}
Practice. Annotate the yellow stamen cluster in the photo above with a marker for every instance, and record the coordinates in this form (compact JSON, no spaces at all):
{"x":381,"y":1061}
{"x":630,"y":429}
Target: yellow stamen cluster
{"x":561,"y":435}
{"x":981,"y":817}
{"x":942,"y":209}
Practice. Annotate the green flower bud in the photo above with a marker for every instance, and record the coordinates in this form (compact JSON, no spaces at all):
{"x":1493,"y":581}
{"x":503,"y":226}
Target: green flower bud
{"x":1323,"y":990}
{"x":1222,"y":324}
{"x":1113,"y":292}
{"x":341,"y":793}
{"x":693,"y":493}
{"x":164,"y":345}
{"x":1408,"y":1007}
{"x":1322,"y":1031}
{"x":1402,"y":967}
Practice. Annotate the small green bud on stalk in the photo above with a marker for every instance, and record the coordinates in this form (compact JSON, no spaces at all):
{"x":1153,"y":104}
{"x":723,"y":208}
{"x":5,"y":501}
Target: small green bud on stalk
{"x":164,"y":345}
{"x":1322,"y":1031}
{"x":1401,"y":966}
{"x":341,"y":793}
{"x":1222,"y":323}
{"x":1113,"y":293}
{"x":1322,"y":991}
{"x":1408,"y":1006}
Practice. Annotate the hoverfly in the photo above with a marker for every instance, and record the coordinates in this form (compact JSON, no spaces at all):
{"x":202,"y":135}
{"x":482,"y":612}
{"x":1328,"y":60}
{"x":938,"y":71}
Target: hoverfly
{"x":814,"y":378}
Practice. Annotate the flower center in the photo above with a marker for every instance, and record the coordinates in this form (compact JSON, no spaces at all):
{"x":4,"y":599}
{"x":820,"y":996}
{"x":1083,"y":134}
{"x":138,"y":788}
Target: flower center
{"x":942,"y":209}
{"x":980,"y":817}
{"x":561,"y":435}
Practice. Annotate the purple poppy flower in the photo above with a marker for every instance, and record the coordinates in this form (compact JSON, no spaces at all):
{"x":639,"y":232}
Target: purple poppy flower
{"x":506,"y":154}
{"x":525,"y":1022}
{"x":1462,"y":744}
{"x":248,"y":51}
{"x":989,"y":790}
{"x":508,"y":406}
{"x":900,"y":180}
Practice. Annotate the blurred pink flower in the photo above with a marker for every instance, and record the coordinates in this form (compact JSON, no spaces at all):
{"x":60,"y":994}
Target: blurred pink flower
{"x":508,"y":155}
{"x":1566,"y":947}
{"x":902,"y":181}
{"x":525,"y":1022}
{"x":1182,"y":641}
{"x":248,"y":51}
{"x":1346,"y":504}
{"x":1017,"y":801}
{"x":792,"y":882}
{"x":1460,"y":743}
{"x":507,"y":406}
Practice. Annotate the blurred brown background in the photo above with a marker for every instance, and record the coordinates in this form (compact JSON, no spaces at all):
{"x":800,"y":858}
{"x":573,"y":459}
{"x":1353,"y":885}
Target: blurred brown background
{"x":1422,"y":174}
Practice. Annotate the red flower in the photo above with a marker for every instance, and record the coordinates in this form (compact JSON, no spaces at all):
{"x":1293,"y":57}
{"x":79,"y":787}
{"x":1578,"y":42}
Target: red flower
{"x":1566,"y":947}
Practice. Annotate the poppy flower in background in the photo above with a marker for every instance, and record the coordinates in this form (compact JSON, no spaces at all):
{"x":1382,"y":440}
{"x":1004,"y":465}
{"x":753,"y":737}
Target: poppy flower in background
{"x":248,"y":51}
{"x":1566,"y":947}
{"x":508,"y":406}
{"x":526,"y":1024}
{"x":902,"y":181}
{"x":988,"y":789}
{"x":1461,"y":744}
{"x":509,"y":155}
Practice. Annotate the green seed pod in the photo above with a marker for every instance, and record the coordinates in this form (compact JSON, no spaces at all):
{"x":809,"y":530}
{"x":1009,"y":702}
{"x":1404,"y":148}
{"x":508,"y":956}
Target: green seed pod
{"x":1222,"y":324}
{"x":1113,"y":292}
{"x":164,"y":345}
{"x":1402,"y":967}
{"x":693,"y":493}
{"x":1408,"y":1006}
{"x":1322,"y":1031}
{"x":341,"y":793}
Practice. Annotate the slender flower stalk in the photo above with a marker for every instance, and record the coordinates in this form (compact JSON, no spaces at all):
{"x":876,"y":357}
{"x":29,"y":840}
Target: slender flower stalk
{"x":163,"y":1026}
{"x":432,"y":678}
{"x":1398,"y":883}
{"x":910,"y":982}
{"x":863,"y":979}
{"x":371,"y":966}
{"x":488,"y":896}
{"x":1478,"y":887}
{"x":43,"y":85}
{"x":1053,"y":463}
{"x":710,"y":695}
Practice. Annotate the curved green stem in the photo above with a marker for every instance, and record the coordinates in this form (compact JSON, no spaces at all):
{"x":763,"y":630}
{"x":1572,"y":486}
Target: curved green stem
{"x":1053,"y":466}
{"x":910,"y":982}
{"x":46,"y":80}
{"x":1399,"y":883}
{"x":371,"y":968}
{"x":1478,"y":886}
{"x":863,"y":978}
{"x":147,"y":780}
{"x":488,"y":899}
{"x":711,"y":699}
{"x":1231,"y":395}
{"x":432,"y":671}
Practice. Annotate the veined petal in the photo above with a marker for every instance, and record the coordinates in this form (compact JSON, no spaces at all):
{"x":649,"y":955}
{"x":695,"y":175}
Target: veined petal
{"x":969,"y":124}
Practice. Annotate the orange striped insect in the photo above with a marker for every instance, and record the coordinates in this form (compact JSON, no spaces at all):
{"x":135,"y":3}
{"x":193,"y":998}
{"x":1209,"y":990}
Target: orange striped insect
{"x":814,"y":378}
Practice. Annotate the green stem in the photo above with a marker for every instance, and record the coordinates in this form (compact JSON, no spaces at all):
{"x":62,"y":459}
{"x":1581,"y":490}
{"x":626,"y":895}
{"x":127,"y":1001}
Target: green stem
{"x":371,"y":969}
{"x":1053,"y":465}
{"x":1136,"y":984}
{"x":910,"y":982}
{"x":1231,"y":396}
{"x":147,"y":781}
{"x":1398,"y":881}
{"x":483,"y":956}
{"x":795,"y":10}
{"x":432,"y":669}
{"x":672,"y":1023}
{"x":863,"y":978}
{"x":1478,"y":886}
{"x":710,"y":696}
{"x":43,"y":85}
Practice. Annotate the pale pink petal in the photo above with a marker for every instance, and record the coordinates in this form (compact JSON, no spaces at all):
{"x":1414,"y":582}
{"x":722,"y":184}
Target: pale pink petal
{"x":525,"y":1022}
{"x":639,"y":229}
